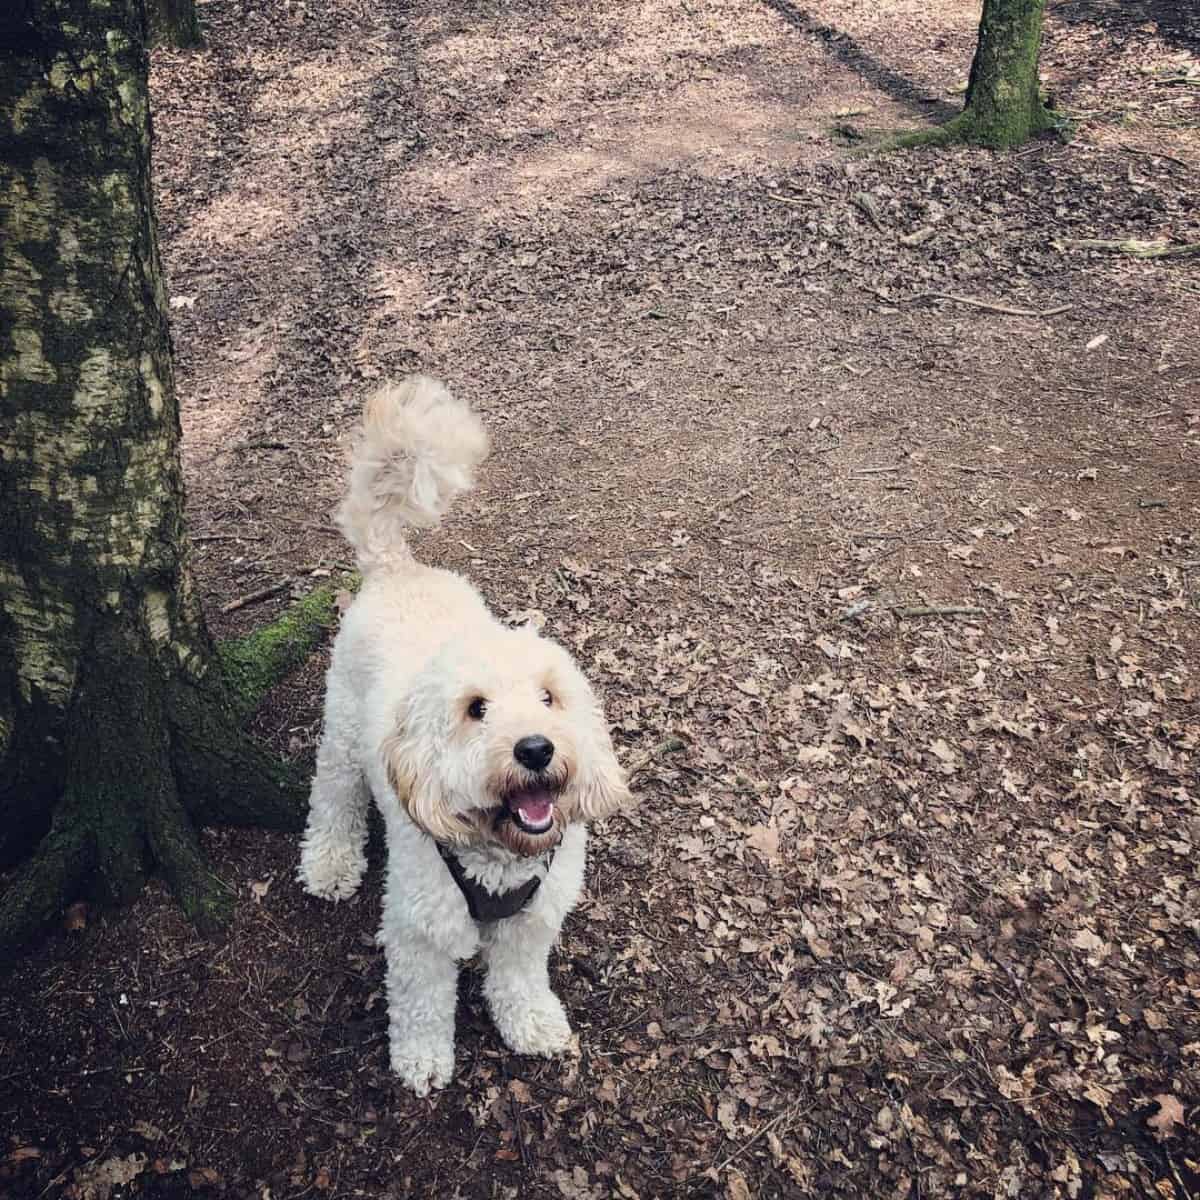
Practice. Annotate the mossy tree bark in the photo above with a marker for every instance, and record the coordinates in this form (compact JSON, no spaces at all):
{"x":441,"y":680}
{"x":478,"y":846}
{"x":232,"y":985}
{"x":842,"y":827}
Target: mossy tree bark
{"x":119,"y":730}
{"x":1003,"y":106}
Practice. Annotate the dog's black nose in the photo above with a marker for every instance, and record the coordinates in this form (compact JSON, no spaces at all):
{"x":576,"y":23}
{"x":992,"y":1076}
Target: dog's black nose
{"x":534,"y":752}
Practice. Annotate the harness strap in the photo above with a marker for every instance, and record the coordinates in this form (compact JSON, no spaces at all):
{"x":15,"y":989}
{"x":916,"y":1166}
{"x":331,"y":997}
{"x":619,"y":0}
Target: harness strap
{"x":482,"y":904}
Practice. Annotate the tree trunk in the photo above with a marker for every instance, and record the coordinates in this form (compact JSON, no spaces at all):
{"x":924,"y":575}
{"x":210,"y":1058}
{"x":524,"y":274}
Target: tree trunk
{"x":174,"y":22}
{"x":118,"y":729}
{"x":1004,"y":107}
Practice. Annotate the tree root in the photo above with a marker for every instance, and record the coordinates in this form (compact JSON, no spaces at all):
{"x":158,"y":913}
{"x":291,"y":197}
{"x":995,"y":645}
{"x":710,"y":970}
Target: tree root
{"x":967,"y":130}
{"x":254,"y":664}
{"x":151,"y":756}
{"x":207,"y":902}
{"x":222,"y":777}
{"x":36,"y":892}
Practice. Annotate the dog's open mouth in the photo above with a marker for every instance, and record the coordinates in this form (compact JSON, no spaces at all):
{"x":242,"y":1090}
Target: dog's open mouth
{"x":531,"y":809}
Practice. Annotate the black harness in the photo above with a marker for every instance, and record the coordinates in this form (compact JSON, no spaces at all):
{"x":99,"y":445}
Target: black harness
{"x":482,"y":904}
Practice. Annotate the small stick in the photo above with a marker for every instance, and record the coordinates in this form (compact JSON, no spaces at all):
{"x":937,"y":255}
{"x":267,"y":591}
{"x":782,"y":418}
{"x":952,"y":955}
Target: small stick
{"x":520,"y":1130}
{"x":995,"y":472}
{"x":237,"y":447}
{"x":227,"y":537}
{"x":1139,"y":249}
{"x":1152,"y":504}
{"x":876,"y":470}
{"x":1157,"y":154}
{"x":940,"y":610}
{"x":997,"y":308}
{"x":763,"y":1129}
{"x":866,"y":203}
{"x":264,"y":593}
{"x":785,"y":199}
{"x":744,"y":494}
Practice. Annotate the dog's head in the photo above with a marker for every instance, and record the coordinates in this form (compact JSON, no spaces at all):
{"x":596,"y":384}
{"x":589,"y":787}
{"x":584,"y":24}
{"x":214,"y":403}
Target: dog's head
{"x":503,"y":739}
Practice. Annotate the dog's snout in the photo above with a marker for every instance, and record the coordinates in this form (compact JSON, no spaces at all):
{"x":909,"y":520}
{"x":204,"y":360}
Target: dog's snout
{"x":534,"y":752}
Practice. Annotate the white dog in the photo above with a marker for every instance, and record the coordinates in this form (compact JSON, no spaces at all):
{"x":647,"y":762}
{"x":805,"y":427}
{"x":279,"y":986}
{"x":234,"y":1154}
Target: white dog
{"x":483,"y":746}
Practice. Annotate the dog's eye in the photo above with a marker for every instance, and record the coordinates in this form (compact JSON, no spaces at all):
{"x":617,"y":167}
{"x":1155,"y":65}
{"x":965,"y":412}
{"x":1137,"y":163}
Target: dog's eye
{"x":477,"y":708}
{"x":547,"y":698}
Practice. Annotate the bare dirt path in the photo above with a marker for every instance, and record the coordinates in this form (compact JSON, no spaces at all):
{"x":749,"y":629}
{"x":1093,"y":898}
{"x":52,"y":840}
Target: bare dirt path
{"x":911,"y":905}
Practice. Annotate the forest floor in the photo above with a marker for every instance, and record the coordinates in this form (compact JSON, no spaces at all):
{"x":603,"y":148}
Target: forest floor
{"x":910,"y":906}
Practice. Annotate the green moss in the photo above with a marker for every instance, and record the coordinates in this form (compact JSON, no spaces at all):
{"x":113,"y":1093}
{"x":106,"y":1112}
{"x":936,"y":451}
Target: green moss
{"x":254,"y":664}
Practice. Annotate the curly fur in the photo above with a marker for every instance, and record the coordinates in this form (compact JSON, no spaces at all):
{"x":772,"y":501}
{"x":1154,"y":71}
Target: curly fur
{"x":417,"y":652}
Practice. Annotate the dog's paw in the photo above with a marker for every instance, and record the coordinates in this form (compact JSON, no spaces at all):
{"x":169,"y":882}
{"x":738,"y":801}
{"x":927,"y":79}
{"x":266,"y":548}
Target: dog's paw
{"x":534,"y":1025}
{"x":422,"y":1067}
{"x":331,"y":873}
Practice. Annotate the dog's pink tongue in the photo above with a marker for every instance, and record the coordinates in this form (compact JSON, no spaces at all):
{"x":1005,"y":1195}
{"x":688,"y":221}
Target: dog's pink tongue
{"x":534,"y":808}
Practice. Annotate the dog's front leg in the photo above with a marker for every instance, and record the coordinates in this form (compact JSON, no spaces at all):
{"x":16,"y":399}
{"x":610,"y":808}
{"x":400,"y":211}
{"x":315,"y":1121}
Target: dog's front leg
{"x":422,"y":990}
{"x":529,"y":1016}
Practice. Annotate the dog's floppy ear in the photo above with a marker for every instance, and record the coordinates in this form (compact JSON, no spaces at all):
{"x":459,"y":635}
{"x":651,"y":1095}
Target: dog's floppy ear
{"x":416,"y":787}
{"x":603,"y":788}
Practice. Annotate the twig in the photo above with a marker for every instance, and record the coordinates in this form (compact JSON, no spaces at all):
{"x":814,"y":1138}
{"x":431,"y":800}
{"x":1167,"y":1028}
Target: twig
{"x":238,"y":447}
{"x":520,"y":1130}
{"x":994,"y":472}
{"x":762,"y":1132}
{"x":939,"y":610}
{"x":916,"y":238}
{"x":867,"y":204}
{"x":227,"y":537}
{"x":1152,"y":504}
{"x":876,"y":470}
{"x":1157,"y":154}
{"x":785,"y":199}
{"x":264,"y":593}
{"x":744,"y":494}
{"x":1138,"y":248}
{"x":997,"y":308}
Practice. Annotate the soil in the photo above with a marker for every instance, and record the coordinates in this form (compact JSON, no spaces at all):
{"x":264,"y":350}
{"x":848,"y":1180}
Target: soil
{"x":910,"y":905}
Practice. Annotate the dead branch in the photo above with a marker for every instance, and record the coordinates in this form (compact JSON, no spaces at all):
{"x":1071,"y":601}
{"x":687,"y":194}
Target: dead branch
{"x":264,"y":593}
{"x":996,"y":308}
{"x":916,"y":238}
{"x":866,"y":203}
{"x":1139,"y":249}
{"x":940,"y":610}
{"x":240,"y":447}
{"x":1158,"y":154}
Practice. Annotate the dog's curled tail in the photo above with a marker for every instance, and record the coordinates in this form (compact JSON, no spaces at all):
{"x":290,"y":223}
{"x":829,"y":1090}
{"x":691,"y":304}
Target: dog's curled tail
{"x":419,"y":448}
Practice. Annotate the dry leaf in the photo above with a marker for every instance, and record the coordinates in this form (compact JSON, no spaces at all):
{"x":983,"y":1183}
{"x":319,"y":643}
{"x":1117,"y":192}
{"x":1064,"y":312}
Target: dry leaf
{"x":1170,"y":1113}
{"x":764,"y":839}
{"x":736,"y":1187}
{"x":96,"y":1180}
{"x":75,"y":917}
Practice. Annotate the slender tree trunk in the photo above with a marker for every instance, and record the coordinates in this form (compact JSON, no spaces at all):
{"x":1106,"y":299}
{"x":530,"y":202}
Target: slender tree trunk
{"x":1004,"y":107}
{"x":174,"y":22}
{"x":118,"y":729}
